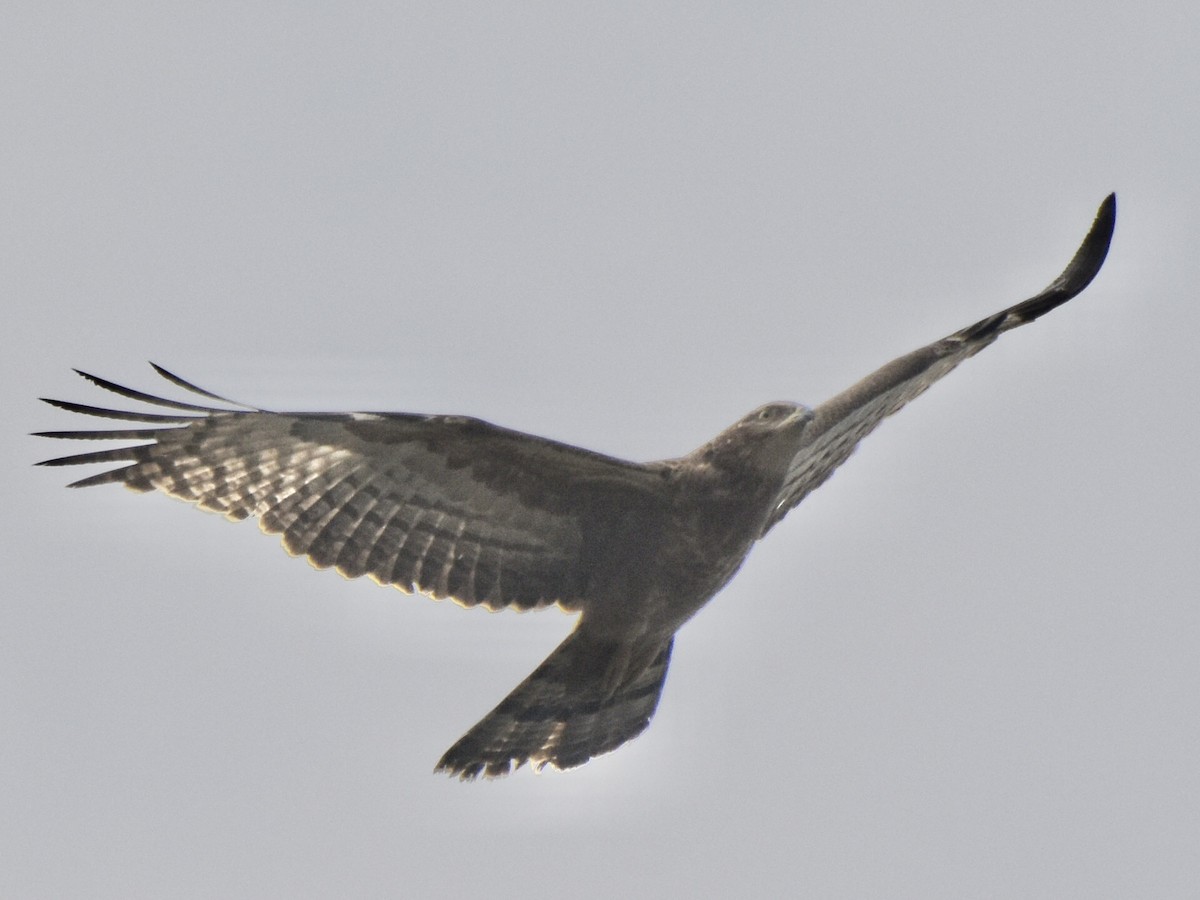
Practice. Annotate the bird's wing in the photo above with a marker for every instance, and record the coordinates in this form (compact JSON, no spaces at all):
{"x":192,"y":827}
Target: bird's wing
{"x":444,"y":505}
{"x":841,"y":422}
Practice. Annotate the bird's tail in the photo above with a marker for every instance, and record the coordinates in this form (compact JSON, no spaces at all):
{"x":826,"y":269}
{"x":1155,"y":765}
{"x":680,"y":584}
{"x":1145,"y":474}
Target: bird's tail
{"x":588,"y":697}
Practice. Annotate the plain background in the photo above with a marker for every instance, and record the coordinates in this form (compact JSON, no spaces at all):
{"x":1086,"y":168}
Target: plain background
{"x":967,"y":667}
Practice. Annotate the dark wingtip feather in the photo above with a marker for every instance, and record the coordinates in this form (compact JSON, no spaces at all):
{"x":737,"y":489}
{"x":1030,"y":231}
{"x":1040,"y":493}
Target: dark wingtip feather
{"x":1091,"y":254}
{"x":101,"y":413}
{"x":112,"y":476}
{"x":143,"y":397}
{"x":188,"y":386}
{"x":1079,"y":273}
{"x":1083,"y":267}
{"x":118,"y":454}
{"x":128,"y":434}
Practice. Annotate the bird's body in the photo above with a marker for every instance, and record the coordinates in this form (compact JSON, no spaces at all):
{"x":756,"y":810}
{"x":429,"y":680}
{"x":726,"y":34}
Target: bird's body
{"x":456,"y":507}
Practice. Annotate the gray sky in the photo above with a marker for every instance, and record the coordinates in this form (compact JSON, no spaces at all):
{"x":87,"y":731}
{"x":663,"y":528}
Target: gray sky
{"x":966,"y":667}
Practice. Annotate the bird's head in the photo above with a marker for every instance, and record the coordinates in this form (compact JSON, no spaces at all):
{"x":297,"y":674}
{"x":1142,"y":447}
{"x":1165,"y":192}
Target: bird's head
{"x":763,"y":441}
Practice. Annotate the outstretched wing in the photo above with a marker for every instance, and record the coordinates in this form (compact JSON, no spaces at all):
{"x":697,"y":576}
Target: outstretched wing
{"x":444,"y":505}
{"x":840,"y":423}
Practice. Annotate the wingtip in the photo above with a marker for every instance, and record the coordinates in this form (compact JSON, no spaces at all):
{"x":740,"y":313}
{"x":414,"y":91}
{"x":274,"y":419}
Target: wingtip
{"x":195,"y":389}
{"x":1106,"y":215}
{"x":1088,"y":259}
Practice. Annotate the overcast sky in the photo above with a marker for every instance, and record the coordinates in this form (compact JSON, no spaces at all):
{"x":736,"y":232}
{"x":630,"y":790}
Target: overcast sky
{"x":968,"y":666}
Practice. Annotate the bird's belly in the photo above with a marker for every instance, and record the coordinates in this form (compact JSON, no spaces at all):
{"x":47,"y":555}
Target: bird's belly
{"x":721,"y":529}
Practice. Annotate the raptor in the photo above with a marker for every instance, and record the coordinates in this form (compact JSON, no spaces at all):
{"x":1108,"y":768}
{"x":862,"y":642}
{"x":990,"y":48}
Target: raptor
{"x":455,"y":507}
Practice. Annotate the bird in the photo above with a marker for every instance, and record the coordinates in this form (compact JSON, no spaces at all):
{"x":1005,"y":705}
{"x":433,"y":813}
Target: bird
{"x":455,"y":507}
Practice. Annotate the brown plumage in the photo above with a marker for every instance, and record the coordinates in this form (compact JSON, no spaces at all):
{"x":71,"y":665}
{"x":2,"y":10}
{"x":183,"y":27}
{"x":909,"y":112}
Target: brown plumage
{"x":455,"y":507}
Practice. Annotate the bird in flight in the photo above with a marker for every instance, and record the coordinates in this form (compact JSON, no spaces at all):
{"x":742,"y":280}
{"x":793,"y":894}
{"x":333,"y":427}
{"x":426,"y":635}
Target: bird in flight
{"x":451,"y":506}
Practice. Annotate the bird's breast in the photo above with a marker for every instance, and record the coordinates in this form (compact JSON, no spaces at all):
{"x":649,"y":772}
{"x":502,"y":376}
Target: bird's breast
{"x":711,"y":533}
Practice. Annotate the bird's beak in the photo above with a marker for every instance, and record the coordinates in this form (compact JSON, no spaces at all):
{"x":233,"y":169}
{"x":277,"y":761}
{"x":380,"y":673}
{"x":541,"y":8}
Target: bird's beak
{"x":799,"y":417}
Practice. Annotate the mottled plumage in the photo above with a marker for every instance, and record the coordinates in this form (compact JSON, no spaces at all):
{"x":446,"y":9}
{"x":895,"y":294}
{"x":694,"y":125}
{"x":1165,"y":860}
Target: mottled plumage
{"x":455,"y":507}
